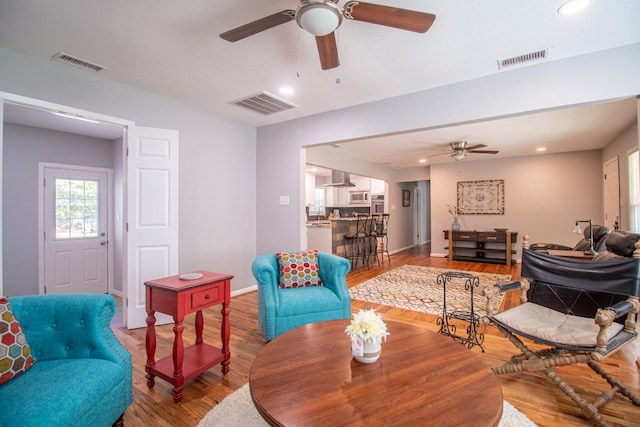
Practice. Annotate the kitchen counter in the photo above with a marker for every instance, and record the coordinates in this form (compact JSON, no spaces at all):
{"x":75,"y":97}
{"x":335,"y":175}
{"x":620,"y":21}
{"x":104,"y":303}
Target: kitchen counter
{"x":327,"y":235}
{"x":326,"y":223}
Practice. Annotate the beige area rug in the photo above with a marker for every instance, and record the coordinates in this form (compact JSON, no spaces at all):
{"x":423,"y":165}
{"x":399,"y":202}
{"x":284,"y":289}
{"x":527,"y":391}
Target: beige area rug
{"x":237,"y":410}
{"x":416,"y":288}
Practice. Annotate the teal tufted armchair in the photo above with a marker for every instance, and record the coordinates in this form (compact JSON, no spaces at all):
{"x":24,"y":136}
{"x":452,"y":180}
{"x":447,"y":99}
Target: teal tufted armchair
{"x":82,"y":373}
{"x":280,"y":310}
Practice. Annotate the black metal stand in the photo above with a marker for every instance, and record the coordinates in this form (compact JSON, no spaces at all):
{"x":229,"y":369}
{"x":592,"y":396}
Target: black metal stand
{"x":447,"y":328}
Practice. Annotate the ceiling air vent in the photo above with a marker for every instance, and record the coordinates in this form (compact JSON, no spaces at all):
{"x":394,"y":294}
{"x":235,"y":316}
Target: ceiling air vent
{"x":264,"y":103}
{"x":522,"y":60}
{"x":78,"y":62}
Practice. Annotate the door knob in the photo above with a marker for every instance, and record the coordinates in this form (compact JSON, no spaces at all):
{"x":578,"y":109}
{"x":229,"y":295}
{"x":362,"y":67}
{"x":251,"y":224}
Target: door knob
{"x":104,"y":242}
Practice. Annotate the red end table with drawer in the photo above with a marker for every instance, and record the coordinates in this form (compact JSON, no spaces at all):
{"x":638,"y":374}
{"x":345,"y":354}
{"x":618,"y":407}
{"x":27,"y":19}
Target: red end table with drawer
{"x":177,"y":297}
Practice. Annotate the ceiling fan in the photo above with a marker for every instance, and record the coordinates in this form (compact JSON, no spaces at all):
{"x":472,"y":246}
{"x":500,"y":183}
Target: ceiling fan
{"x":460,"y":149}
{"x":322,"y":17}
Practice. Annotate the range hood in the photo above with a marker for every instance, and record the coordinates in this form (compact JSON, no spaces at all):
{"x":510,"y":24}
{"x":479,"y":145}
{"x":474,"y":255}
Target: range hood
{"x":340,"y":179}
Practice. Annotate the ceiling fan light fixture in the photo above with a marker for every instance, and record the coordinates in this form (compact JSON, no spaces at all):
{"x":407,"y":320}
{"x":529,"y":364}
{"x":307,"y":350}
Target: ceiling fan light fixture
{"x":458,"y":156}
{"x":318,"y":17}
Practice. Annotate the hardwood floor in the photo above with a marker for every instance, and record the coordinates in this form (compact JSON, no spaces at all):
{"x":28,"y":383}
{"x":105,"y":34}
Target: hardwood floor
{"x":533,"y":395}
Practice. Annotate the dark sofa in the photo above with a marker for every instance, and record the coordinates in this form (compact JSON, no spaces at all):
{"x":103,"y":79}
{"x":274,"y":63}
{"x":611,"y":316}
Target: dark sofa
{"x":615,"y":263}
{"x":600,"y":233}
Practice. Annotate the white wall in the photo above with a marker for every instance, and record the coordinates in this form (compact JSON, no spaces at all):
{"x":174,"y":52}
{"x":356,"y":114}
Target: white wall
{"x":24,"y":148}
{"x":544,"y":196}
{"x":603,"y":75}
{"x":217,"y":180}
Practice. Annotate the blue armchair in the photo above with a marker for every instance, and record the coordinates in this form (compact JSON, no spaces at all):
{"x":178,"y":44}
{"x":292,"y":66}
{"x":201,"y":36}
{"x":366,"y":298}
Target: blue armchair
{"x":280,"y":310}
{"x":82,"y":374}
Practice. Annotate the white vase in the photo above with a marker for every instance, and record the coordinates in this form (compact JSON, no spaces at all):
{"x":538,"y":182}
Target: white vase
{"x":371,"y":352}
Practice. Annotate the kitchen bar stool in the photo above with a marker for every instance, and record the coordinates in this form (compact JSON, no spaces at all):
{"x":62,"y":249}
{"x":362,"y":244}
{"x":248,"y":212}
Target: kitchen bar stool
{"x":354,"y":242}
{"x":374,"y":233}
{"x":382,"y":225}
{"x":370,"y":241}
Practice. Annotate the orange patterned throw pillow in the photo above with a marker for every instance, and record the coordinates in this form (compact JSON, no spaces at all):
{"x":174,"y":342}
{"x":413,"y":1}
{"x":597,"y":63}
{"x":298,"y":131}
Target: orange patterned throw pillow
{"x":15,"y":353}
{"x":298,"y":269}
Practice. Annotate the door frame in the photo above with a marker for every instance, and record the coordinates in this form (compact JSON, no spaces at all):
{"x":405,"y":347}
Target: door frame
{"x":128,"y":125}
{"x":418,"y":231}
{"x":609,"y":222}
{"x":41,"y":230}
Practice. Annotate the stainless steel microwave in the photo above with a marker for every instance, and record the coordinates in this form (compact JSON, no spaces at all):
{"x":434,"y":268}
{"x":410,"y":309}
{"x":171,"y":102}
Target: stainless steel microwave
{"x":358,"y":197}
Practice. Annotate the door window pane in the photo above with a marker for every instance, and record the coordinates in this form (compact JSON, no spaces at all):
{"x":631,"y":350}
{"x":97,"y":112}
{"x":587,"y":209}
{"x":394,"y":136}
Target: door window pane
{"x":76,"y":208}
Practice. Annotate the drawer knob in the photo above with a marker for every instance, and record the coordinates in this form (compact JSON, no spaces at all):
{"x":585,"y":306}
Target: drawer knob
{"x":207,"y":296}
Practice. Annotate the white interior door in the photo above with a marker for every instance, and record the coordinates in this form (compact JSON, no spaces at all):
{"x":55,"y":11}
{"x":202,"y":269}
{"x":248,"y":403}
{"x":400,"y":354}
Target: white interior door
{"x":611,"y":192}
{"x":152,"y":216}
{"x":75,"y":206}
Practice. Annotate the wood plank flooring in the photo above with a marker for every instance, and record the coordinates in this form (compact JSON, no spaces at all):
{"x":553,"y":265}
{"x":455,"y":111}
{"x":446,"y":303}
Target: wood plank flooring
{"x":533,"y":395}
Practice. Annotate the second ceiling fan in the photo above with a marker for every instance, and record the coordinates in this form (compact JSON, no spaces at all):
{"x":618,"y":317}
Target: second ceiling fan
{"x":459,"y":150}
{"x":322,"y":17}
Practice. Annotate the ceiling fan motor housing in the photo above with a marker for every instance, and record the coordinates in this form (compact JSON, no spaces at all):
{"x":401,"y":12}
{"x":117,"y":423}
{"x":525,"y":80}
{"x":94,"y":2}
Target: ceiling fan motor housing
{"x":318,"y":17}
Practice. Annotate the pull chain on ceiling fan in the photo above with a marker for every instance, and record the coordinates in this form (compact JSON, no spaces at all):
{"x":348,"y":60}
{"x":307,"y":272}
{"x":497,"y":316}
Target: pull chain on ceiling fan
{"x":322,"y":17}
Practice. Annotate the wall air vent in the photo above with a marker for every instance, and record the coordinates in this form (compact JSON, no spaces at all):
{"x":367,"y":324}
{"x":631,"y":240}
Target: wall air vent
{"x":522,"y":60}
{"x":78,"y":62}
{"x":264,"y":103}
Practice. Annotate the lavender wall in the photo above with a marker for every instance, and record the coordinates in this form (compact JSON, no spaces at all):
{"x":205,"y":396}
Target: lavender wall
{"x":24,"y":148}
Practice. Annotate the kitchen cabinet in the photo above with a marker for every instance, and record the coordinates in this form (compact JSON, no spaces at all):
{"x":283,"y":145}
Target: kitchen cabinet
{"x":377,"y":186}
{"x":360,"y":182}
{"x":319,"y":237}
{"x":331,"y":197}
{"x":310,"y":189}
{"x":343,"y":198}
{"x":337,"y":197}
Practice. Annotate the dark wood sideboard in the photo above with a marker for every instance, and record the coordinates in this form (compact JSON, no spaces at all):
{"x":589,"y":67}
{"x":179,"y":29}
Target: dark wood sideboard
{"x":496,"y":247}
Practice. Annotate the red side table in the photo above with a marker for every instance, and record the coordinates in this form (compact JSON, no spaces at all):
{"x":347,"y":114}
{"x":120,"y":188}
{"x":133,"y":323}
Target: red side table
{"x":177,"y":297}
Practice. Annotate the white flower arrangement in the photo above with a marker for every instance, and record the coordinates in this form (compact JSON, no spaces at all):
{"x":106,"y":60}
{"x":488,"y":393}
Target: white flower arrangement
{"x":367,"y":325}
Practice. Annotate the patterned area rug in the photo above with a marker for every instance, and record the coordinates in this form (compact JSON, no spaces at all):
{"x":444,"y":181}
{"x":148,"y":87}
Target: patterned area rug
{"x":416,"y":288}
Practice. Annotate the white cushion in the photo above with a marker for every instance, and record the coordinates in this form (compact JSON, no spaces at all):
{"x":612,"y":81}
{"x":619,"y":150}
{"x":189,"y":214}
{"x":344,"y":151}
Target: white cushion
{"x":550,"y":325}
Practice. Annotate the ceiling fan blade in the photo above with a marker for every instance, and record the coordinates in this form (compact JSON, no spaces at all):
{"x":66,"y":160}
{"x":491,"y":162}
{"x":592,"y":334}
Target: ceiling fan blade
{"x":484,"y":151}
{"x":328,"y":51}
{"x":474,"y":147}
{"x":403,"y":19}
{"x":258,"y":25}
{"x":440,"y":154}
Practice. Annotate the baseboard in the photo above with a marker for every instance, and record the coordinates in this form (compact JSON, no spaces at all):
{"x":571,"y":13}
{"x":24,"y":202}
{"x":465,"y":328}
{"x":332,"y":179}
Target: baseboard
{"x":395,"y":251}
{"x":438,"y":255}
{"x":244,"y":290}
{"x":116,"y":293}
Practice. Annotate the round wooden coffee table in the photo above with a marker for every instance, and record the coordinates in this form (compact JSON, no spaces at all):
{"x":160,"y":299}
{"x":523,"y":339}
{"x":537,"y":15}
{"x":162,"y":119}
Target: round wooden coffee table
{"x":308,"y":377}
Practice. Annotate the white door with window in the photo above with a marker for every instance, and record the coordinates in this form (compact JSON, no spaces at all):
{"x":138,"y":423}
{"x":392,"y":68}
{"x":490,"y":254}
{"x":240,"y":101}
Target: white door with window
{"x":75,"y":206}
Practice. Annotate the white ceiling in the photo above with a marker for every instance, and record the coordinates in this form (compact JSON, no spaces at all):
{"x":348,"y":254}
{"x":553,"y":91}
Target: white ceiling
{"x":590,"y":127}
{"x":172,"y":48}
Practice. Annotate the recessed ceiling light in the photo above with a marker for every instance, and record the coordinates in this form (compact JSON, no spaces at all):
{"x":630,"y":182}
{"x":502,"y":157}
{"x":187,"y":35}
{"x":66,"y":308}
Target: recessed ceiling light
{"x":540,"y":149}
{"x":422,"y":161}
{"x":572,"y":6}
{"x":286,"y":90}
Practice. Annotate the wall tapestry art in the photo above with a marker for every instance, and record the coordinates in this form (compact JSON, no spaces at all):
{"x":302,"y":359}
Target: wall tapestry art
{"x":481,"y":197}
